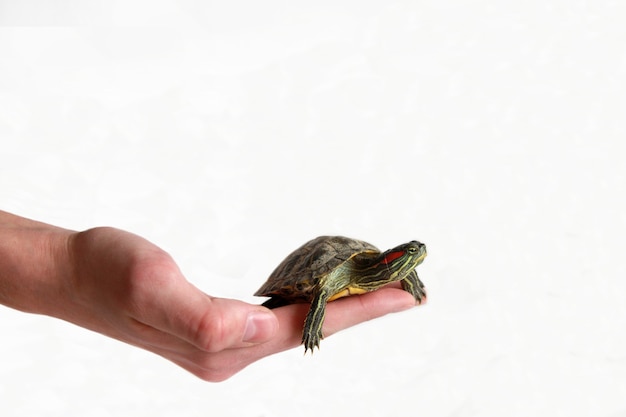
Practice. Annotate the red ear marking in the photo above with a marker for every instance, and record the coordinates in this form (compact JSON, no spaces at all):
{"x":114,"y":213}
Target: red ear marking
{"x":392,"y":256}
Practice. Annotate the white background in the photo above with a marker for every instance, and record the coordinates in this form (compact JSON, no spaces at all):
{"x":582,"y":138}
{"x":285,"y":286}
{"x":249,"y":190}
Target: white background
{"x":229,"y":133}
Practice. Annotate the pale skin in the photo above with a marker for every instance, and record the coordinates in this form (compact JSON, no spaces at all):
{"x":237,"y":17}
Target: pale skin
{"x":122,"y":286}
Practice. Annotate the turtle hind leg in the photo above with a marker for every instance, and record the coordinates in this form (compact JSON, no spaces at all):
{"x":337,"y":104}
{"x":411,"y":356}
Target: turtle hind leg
{"x":414,"y":286}
{"x":275,"y":302}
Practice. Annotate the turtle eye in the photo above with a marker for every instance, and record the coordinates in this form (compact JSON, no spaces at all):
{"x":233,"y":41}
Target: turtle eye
{"x":412,"y":249}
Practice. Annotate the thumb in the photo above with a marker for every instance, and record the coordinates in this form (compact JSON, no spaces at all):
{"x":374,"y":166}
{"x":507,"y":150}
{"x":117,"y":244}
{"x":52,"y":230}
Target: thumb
{"x":166,"y":301}
{"x":214,"y":324}
{"x":221,"y":324}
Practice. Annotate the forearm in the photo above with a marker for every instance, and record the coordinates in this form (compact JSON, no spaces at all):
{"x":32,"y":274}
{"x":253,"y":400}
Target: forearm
{"x":34,"y":264}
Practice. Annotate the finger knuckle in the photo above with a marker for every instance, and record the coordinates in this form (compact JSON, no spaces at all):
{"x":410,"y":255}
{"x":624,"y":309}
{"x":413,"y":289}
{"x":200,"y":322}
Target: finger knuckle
{"x":210,"y":333}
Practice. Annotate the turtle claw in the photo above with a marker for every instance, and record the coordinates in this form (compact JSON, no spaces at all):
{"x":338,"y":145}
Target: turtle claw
{"x":311,"y":341}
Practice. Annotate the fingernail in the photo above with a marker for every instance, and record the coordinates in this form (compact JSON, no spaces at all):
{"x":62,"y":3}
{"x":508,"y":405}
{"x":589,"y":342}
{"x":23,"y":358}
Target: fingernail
{"x":260,"y":326}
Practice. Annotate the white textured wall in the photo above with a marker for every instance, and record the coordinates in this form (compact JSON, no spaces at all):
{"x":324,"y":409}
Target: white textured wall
{"x":231,"y":132}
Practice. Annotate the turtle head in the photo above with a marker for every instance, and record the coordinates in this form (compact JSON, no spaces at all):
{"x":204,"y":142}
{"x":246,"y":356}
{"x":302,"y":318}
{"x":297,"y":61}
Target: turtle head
{"x":402,"y":259}
{"x":392,"y":265}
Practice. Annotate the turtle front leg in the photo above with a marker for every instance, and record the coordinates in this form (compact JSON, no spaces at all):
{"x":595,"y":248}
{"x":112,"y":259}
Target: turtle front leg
{"x":414,"y":286}
{"x":312,"y":332}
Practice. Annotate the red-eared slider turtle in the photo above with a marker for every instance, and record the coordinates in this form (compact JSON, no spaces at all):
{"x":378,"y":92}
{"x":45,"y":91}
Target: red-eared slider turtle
{"x":330,"y":267}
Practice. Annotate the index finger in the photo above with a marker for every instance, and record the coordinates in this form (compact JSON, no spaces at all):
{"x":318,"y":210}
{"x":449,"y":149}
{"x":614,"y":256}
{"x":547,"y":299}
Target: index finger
{"x":340,"y":314}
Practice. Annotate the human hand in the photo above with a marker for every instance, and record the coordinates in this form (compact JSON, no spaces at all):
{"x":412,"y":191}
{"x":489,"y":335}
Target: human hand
{"x":122,"y":286}
{"x":129,"y":289}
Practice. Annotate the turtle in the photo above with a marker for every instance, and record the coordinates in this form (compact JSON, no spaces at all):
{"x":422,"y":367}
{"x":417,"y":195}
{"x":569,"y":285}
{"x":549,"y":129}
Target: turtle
{"x":330,"y":267}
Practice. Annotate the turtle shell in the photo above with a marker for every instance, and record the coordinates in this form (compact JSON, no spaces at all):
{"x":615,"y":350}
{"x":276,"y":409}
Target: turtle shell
{"x":297,"y":276}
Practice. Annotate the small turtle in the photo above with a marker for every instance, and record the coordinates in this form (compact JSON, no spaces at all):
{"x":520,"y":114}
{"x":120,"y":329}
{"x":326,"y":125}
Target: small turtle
{"x":331,"y":267}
